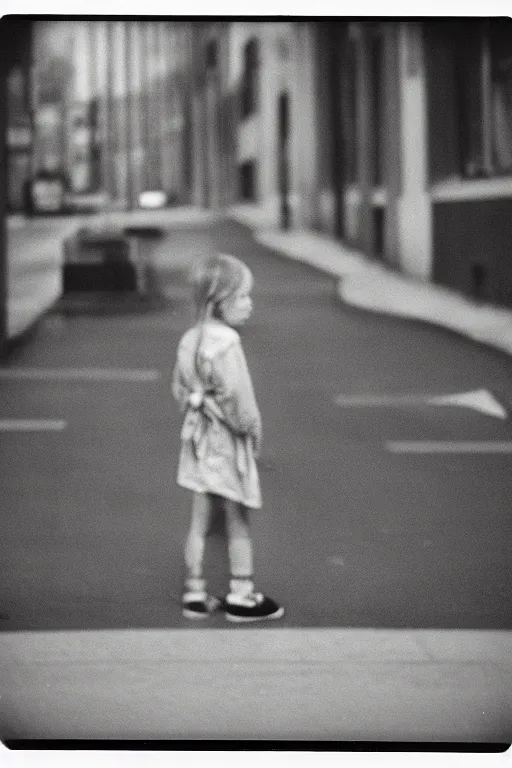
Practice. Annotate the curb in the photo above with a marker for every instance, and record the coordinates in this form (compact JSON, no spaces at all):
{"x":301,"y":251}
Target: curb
{"x":488,"y":333}
{"x":374,"y":288}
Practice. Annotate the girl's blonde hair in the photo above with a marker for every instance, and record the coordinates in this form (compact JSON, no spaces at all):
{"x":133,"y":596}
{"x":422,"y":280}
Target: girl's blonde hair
{"x":214,"y":280}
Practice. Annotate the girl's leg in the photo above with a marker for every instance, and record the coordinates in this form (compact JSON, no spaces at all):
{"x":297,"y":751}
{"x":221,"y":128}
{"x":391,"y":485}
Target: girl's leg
{"x":195,"y":544}
{"x":243,"y":604}
{"x":239,"y":548}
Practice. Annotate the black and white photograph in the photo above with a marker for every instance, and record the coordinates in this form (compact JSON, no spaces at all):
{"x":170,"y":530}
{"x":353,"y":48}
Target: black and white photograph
{"x":256,"y":380}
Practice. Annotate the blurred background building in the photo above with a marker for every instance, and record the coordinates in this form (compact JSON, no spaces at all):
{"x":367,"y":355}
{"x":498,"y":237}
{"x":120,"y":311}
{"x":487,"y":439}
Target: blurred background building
{"x":93,"y":114}
{"x":17,"y":113}
{"x":102,"y":104}
{"x":253,"y":119}
{"x":394,"y":137}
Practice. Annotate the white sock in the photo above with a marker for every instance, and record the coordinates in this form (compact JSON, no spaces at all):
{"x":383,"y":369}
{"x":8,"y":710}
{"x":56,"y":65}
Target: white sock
{"x":240,"y":555}
{"x":194,"y":554}
{"x":193,"y":584}
{"x":240,"y":586}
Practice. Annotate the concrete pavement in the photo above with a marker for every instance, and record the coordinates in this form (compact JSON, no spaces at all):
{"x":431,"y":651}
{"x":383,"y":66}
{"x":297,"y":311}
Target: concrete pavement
{"x":34,"y":248}
{"x":372,"y":286}
{"x":333,"y":685}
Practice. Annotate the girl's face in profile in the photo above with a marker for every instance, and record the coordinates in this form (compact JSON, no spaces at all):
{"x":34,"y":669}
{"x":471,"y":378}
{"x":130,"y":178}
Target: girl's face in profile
{"x":237,"y":308}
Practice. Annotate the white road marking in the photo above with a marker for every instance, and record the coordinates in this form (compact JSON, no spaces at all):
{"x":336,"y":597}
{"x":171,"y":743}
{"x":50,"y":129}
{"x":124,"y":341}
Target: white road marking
{"x":32,"y":425}
{"x":432,"y":446}
{"x":358,"y":401}
{"x":79,"y":374}
{"x":479,"y":400}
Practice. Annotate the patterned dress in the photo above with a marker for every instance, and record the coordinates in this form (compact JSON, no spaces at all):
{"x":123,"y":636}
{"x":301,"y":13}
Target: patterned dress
{"x":222,"y":427}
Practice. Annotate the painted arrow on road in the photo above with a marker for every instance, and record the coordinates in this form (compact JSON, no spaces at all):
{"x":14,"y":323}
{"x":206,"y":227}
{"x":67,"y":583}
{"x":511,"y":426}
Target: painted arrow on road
{"x":478,"y":400}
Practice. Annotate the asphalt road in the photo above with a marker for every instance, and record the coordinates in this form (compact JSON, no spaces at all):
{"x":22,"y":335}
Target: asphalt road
{"x":350,"y":535}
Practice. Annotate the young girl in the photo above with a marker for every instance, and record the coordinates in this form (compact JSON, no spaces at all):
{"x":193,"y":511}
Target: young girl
{"x":221,"y":437}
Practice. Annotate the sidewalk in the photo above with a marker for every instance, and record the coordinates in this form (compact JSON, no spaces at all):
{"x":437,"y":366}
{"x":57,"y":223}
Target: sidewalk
{"x":180,"y":217}
{"x":35,"y":252}
{"x":267,"y":683}
{"x":369,"y":285}
{"x":34,"y":257}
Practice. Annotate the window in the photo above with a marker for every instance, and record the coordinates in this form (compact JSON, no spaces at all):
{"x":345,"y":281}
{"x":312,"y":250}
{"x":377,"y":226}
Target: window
{"x":379,"y":230}
{"x":53,"y":77}
{"x":377,"y":66}
{"x":283,"y":117}
{"x":248,"y":181}
{"x":501,"y":95}
{"x":250,"y":79}
{"x":80,"y":122}
{"x":18,"y":175}
{"x":484,"y":75}
{"x":17,"y":97}
{"x":211,"y":55}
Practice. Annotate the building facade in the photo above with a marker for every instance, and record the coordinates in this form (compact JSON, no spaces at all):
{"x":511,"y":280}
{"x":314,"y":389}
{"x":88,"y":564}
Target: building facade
{"x":107,"y":106}
{"x":414,"y":121}
{"x":468,"y":81}
{"x":425,"y":136}
{"x":18,"y":114}
{"x":253,"y":116}
{"x":358,"y":170}
{"x":91,"y":113}
{"x":394,"y":137}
